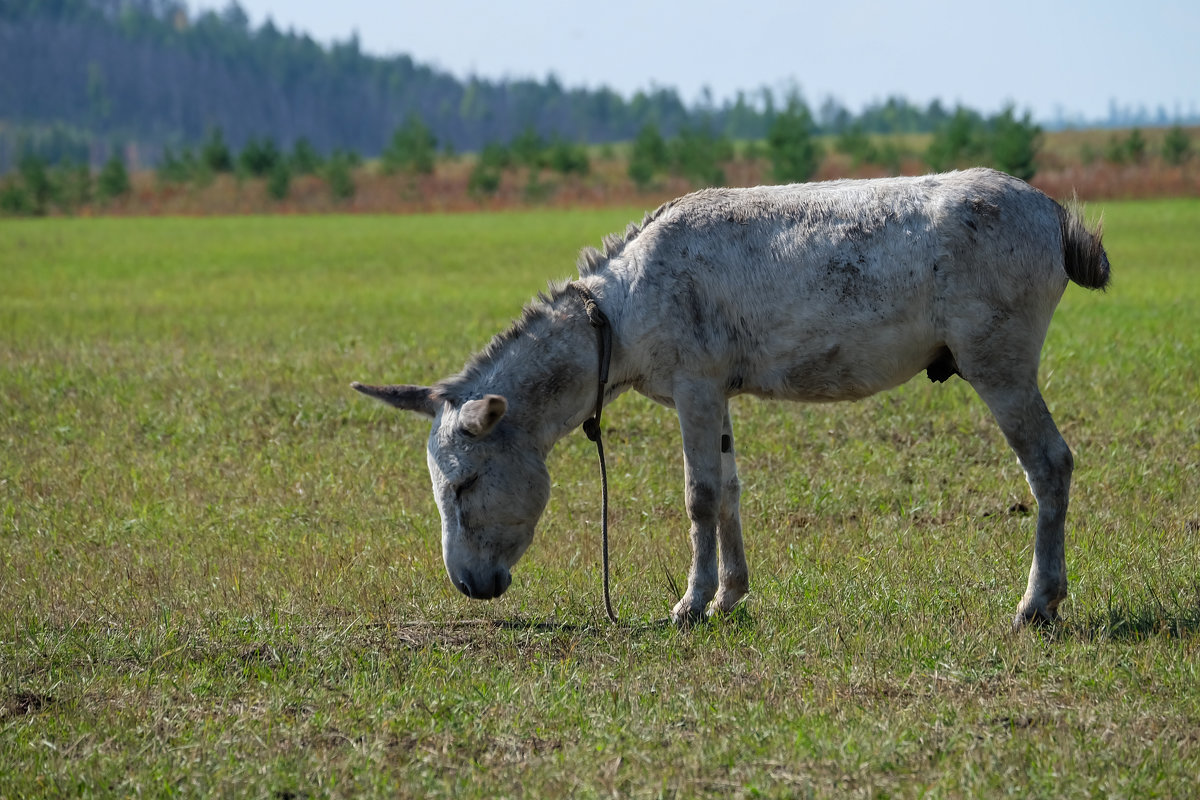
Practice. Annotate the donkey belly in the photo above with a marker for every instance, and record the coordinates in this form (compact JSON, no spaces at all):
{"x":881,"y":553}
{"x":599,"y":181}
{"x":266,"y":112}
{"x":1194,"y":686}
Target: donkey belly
{"x":842,"y":354}
{"x":851,"y":368}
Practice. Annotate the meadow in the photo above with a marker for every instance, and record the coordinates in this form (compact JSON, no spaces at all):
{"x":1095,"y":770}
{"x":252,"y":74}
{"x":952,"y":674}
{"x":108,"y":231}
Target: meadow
{"x":220,"y":568}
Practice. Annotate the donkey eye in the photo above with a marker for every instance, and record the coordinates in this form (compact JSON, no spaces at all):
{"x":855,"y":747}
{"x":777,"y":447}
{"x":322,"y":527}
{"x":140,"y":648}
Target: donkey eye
{"x":465,"y":485}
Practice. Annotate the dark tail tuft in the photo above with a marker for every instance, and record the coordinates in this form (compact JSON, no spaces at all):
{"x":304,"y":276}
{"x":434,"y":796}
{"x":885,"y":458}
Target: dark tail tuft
{"x":1083,"y":254}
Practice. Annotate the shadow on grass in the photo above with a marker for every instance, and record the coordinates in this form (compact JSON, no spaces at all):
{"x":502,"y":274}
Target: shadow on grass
{"x":739,"y":618}
{"x":456,"y":629}
{"x":549,"y":626}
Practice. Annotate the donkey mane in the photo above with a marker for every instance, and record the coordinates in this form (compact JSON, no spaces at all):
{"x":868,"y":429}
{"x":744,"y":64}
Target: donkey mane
{"x":592,"y":260}
{"x":459,"y":388}
{"x":463,"y":386}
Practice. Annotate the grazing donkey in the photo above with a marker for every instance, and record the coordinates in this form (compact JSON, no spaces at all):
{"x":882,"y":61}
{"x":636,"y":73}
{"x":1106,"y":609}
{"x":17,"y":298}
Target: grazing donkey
{"x":817,"y":292}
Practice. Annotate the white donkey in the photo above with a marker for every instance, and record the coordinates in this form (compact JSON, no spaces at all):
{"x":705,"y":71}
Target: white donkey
{"x":815,"y":292}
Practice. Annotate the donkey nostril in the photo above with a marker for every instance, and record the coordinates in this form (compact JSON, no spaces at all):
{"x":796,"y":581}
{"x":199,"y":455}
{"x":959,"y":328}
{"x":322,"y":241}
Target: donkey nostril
{"x":503,"y":580}
{"x":463,"y":584}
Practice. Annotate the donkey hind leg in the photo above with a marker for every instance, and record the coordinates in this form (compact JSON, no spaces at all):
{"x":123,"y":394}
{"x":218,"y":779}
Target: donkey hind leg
{"x":1026,"y":422}
{"x":700,"y":406}
{"x":734,"y":575}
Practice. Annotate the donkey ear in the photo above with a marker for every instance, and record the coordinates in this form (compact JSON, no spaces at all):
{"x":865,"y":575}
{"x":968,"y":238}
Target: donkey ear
{"x":420,"y":399}
{"x":479,"y":417}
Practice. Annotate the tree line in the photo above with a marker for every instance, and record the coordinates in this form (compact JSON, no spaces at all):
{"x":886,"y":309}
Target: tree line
{"x":145,"y":75}
{"x":149,"y":84}
{"x":792,"y":150}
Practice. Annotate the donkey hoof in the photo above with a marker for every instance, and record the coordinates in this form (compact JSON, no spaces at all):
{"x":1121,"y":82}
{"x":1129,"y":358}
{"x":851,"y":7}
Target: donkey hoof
{"x":685,"y":616}
{"x":1035,"y":618}
{"x":727,"y":604}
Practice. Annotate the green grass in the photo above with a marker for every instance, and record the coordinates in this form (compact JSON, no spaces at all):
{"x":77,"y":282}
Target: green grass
{"x":221,"y":569}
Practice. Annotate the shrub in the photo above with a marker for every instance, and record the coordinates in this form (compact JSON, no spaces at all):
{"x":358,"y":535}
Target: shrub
{"x":649,"y":156}
{"x":338,"y":175}
{"x":568,"y":158}
{"x":529,"y":149}
{"x":495,"y":156}
{"x":14,"y":200}
{"x":279,"y":182}
{"x":537,"y":191}
{"x":113,"y":180}
{"x":752,"y":151}
{"x":650,"y":147}
{"x":1130,"y":150}
{"x":889,"y":155}
{"x":960,"y":142}
{"x":1135,"y":146}
{"x":1014,"y":144}
{"x":1114,"y":151}
{"x":214,"y":153}
{"x":854,"y":143}
{"x":793,"y":151}
{"x":304,"y":159}
{"x":259,"y":157}
{"x":697,"y":154}
{"x":1176,"y":146}
{"x":484,"y":179}
{"x":72,"y":186}
{"x":641,"y":172}
{"x":413,"y":148}
{"x":36,"y":182}
{"x":178,"y":168}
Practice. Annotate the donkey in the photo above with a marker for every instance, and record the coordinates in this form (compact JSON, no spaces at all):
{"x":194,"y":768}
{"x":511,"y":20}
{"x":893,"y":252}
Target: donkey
{"x":811,"y":292}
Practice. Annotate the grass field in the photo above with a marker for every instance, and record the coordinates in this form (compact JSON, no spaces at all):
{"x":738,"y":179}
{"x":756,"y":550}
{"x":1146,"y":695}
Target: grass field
{"x":221,"y":572}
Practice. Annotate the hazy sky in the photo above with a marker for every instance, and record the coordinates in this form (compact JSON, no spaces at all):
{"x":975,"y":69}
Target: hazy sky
{"x":1046,"y":56}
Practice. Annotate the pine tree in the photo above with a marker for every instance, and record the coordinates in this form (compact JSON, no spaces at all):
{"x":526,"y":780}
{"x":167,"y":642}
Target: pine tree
{"x":36,"y":180}
{"x":413,"y":148}
{"x":304,"y":159}
{"x":113,"y":180}
{"x":648,"y":157}
{"x":279,"y":181}
{"x":697,"y":154}
{"x":529,"y":148}
{"x":854,"y":143}
{"x":1176,"y":146}
{"x":793,"y":151}
{"x":259,"y":157}
{"x":1014,"y":144}
{"x":567,"y":158}
{"x":958,"y":143}
{"x":214,"y":154}
{"x":338,"y":175}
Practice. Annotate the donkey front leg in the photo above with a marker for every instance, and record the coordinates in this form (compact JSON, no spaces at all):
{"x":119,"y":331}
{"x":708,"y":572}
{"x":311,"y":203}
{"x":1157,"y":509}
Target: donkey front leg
{"x":700,"y":410}
{"x":734,"y":575}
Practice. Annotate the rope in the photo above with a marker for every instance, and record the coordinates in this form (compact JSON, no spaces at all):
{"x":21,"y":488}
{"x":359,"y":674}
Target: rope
{"x":608,"y":608}
{"x":591,"y":426}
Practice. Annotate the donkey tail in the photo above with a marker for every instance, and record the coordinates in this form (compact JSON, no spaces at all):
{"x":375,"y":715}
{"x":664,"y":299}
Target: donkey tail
{"x":1083,"y":254}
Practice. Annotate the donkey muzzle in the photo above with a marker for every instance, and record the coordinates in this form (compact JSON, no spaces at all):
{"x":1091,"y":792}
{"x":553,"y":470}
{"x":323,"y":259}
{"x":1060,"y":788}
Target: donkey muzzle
{"x":486,"y":586}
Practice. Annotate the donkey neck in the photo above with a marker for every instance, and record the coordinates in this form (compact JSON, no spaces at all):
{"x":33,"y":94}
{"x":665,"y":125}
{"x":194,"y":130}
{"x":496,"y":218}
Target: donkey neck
{"x":552,"y":374}
{"x":545,"y":365}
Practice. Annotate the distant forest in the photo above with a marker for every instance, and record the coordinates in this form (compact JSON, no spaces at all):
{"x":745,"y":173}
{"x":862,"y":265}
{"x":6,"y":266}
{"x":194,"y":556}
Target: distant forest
{"x":88,"y":78}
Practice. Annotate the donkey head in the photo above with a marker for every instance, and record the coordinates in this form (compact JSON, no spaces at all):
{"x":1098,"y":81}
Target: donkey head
{"x":489,"y":482}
